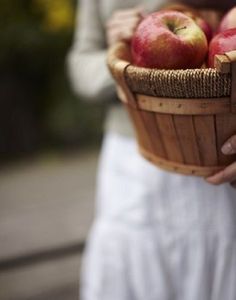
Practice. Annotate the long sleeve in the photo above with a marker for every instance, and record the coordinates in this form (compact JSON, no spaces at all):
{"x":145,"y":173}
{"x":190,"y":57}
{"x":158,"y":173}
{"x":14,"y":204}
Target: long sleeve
{"x":88,"y":72}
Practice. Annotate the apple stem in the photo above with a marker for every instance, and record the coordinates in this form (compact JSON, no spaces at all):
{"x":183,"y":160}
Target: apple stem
{"x":177,"y":29}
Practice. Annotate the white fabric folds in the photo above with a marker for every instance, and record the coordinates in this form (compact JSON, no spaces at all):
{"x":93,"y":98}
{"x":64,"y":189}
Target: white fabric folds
{"x":157,"y":235}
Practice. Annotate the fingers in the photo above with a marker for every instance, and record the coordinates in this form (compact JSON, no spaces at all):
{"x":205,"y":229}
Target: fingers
{"x":230,"y":146}
{"x":122,"y":25}
{"x":121,"y":17}
{"x":131,"y":21}
{"x":116,"y":35}
{"x":122,"y":30}
{"x":227,"y":175}
{"x":126,"y":13}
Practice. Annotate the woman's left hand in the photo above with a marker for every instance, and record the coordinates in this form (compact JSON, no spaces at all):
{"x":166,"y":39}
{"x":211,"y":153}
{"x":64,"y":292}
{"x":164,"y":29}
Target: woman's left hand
{"x":228,"y":175}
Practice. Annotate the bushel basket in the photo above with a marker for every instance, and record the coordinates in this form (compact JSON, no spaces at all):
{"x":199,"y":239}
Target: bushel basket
{"x":181,"y":117}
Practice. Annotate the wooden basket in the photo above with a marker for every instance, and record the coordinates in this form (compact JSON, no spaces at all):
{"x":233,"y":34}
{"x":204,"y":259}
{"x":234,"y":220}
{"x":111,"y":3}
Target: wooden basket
{"x":181,"y":117}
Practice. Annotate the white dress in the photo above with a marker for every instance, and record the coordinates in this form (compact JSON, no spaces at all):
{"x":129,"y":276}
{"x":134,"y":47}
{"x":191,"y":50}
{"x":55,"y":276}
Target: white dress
{"x":158,"y":235}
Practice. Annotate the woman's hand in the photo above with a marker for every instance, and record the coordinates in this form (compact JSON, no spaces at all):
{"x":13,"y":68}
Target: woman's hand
{"x":229,"y":173}
{"x":122,"y":24}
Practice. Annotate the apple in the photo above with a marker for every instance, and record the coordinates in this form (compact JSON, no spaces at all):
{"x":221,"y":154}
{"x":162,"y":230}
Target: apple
{"x":223,"y":42}
{"x":228,"y":21}
{"x":206,"y":28}
{"x":168,"y":40}
{"x":195,"y":15}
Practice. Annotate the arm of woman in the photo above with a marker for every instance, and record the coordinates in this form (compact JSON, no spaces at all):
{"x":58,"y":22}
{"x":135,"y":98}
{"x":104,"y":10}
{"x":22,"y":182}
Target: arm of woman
{"x":87,"y":59}
{"x":87,"y":68}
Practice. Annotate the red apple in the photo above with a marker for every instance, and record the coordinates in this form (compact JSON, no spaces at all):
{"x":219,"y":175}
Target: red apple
{"x":221,"y":43}
{"x":206,"y":28}
{"x":228,"y":21}
{"x":195,"y":15}
{"x":169,"y":40}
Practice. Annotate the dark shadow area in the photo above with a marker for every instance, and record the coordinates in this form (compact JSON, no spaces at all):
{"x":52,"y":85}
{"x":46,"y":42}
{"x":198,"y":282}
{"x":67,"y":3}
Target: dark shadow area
{"x":38,"y":110}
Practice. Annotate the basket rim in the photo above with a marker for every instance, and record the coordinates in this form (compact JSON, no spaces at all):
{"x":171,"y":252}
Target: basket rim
{"x":121,"y":53}
{"x":180,"y":83}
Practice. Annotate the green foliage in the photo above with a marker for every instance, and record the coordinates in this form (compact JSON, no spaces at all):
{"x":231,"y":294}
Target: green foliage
{"x":35,"y":36}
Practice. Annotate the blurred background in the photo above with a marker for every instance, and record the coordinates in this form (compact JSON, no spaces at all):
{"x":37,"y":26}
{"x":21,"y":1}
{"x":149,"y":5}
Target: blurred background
{"x":49,"y":141}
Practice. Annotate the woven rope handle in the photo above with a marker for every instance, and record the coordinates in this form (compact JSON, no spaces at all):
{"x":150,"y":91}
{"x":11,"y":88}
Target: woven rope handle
{"x":227,"y":64}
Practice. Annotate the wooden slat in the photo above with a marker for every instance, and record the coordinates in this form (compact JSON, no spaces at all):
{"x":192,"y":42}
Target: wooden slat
{"x":121,"y":94}
{"x":222,"y":64}
{"x":206,"y":139}
{"x":232,"y":57}
{"x":178,"y":167}
{"x":154,"y":133}
{"x":118,"y":60}
{"x":226,"y":127}
{"x":169,"y":137}
{"x":141,"y":132}
{"x":184,"y":106}
{"x":119,"y":73}
{"x":233,"y":87}
{"x":186,"y":134}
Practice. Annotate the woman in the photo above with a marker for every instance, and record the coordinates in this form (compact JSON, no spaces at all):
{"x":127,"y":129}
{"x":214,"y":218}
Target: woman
{"x":156,"y":235}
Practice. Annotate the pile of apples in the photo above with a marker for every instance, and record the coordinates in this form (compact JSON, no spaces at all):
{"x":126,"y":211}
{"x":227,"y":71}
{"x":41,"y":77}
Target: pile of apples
{"x":174,"y":39}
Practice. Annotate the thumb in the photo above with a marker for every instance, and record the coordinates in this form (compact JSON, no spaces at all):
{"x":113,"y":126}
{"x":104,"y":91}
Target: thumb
{"x":229,"y":146}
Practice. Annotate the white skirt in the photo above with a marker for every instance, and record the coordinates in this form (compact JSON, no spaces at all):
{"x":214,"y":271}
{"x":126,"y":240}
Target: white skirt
{"x":158,"y":235}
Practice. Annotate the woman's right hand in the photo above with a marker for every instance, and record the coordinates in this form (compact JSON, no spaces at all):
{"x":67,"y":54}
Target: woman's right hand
{"x":122,"y":24}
